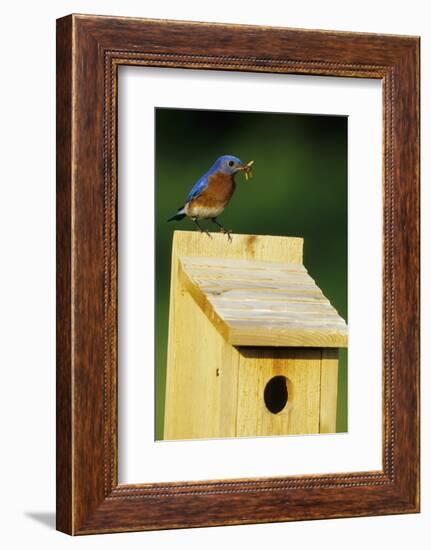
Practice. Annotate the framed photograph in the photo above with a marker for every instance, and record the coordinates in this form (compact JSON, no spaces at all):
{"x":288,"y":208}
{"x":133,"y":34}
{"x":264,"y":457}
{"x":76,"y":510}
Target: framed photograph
{"x":237,"y":274}
{"x":272,"y":319}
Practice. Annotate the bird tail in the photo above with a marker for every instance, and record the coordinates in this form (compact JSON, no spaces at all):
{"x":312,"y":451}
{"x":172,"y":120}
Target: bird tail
{"x":179,"y":215}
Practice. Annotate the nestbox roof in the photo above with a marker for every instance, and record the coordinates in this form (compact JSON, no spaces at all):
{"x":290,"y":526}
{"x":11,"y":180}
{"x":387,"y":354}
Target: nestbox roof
{"x":261,"y":303}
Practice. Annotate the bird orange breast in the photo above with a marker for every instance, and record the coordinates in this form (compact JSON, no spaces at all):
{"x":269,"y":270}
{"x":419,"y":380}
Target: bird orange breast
{"x":219,"y":190}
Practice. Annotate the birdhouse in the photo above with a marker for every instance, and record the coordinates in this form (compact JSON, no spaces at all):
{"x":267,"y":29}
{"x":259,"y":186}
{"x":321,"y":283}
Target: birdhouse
{"x":253,"y":342}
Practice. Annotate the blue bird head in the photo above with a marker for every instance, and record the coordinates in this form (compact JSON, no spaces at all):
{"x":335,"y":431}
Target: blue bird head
{"x":228,"y":164}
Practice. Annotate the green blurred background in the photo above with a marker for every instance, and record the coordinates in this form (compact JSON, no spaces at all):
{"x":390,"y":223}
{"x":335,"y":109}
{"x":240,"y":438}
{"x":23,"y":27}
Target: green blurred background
{"x":299,"y":189}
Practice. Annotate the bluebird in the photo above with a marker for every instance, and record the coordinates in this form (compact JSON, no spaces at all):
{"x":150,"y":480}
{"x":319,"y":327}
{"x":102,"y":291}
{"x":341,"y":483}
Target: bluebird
{"x":212,"y":192}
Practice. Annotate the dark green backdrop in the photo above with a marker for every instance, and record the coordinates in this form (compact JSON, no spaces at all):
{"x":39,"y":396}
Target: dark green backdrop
{"x":299,"y":189}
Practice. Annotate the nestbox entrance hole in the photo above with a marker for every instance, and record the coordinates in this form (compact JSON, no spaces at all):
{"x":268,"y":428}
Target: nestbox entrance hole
{"x":275,"y":394}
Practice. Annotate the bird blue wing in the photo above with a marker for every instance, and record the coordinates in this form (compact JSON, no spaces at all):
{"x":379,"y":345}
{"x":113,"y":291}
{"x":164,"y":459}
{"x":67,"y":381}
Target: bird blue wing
{"x":198,"y":188}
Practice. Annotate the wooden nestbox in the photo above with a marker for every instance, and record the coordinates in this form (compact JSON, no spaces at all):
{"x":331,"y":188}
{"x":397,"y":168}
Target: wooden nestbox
{"x":253,"y":342}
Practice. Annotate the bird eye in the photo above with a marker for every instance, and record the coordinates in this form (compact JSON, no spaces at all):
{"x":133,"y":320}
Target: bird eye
{"x":231,"y":163}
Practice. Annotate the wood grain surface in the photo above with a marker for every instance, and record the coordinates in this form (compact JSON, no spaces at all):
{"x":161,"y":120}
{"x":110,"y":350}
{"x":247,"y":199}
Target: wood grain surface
{"x":214,"y":388}
{"x":89,"y":51}
{"x":328,"y":391}
{"x":262,"y":303}
{"x":302,"y":368}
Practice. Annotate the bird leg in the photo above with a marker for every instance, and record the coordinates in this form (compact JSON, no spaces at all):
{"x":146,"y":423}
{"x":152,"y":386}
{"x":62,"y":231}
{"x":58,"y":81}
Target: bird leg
{"x":223,"y":229}
{"x":201,"y":229}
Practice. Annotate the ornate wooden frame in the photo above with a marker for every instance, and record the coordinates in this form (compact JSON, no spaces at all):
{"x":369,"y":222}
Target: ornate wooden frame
{"x":89,"y":51}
